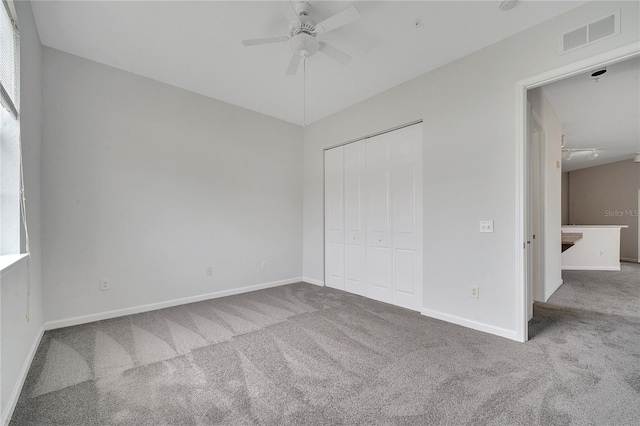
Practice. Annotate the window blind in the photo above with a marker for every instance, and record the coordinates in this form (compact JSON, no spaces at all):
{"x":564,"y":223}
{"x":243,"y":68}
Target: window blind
{"x":9,"y":60}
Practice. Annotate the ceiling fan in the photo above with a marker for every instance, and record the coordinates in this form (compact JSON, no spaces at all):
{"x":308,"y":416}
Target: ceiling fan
{"x":303,"y":32}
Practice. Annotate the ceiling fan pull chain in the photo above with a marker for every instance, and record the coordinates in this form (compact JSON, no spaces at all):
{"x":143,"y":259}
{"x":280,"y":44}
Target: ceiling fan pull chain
{"x":304,"y":92}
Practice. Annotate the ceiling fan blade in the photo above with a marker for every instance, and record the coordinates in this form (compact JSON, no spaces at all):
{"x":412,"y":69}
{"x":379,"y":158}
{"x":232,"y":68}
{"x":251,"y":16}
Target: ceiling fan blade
{"x":293,"y":65}
{"x":268,"y":40}
{"x":335,"y":54}
{"x":338,"y":20}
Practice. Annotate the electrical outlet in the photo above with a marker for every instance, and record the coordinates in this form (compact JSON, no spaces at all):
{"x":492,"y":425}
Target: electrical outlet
{"x":105,"y":284}
{"x":209,"y":271}
{"x":263,"y":265}
{"x":475,"y":292}
{"x":486,"y":226}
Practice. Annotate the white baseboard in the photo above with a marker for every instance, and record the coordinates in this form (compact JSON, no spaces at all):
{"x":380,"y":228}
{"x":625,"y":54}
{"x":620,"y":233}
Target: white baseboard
{"x":591,"y":268}
{"x":475,"y":325}
{"x":17,"y":388}
{"x":67,"y":322}
{"x":557,"y":286}
{"x":628,"y":259}
{"x":313,"y":281}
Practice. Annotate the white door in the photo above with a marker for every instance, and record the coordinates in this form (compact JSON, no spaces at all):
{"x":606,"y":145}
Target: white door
{"x":537,"y":290}
{"x":528,"y":216}
{"x":407,"y":217}
{"x":334,"y":217}
{"x":534,"y":211}
{"x":354,"y":181}
{"x":378,"y":218}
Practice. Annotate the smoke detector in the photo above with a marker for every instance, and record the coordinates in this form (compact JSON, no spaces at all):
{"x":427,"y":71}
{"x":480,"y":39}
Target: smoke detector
{"x":507,"y":5}
{"x":598,"y":73}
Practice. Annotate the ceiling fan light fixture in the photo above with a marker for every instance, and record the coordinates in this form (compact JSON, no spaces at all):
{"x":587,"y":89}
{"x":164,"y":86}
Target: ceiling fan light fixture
{"x":304,"y":45}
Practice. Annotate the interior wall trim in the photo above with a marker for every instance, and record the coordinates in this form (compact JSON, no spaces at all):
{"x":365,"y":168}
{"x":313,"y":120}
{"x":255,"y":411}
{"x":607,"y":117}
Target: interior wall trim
{"x":553,"y":290}
{"x":313,"y":281}
{"x":591,"y":268}
{"x":83,"y":319}
{"x":479,"y":326}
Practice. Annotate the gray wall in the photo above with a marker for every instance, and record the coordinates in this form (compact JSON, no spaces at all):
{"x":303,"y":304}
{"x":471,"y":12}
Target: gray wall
{"x":565,"y":198}
{"x":18,"y":335}
{"x":608,"y":195}
{"x":148,"y":185}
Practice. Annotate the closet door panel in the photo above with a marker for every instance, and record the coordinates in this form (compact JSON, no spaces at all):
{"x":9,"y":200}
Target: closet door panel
{"x":334,"y":218}
{"x":405,"y":199}
{"x":407,"y":217}
{"x":378,"y":219}
{"x":354,"y":181}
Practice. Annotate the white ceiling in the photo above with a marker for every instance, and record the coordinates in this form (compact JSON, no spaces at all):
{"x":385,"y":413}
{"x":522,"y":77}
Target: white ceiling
{"x":197,"y":45}
{"x":603,"y":115}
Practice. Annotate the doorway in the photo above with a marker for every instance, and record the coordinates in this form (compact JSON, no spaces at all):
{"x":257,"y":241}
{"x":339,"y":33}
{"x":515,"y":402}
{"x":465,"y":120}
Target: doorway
{"x":524,"y":263}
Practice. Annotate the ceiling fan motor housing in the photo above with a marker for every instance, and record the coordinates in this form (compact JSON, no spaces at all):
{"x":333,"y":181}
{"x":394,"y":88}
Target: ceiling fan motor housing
{"x":304,"y":24}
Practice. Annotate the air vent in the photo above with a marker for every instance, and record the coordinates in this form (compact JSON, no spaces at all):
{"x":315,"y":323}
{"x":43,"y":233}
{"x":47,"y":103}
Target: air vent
{"x":590,"y":33}
{"x":602,"y":28}
{"x":574,"y":39}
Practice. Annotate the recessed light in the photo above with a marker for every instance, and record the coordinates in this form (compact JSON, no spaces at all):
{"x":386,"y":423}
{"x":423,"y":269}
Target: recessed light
{"x":507,"y":5}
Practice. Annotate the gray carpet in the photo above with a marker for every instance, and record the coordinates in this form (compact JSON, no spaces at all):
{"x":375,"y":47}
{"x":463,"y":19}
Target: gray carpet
{"x":301,"y":354}
{"x":607,"y":292}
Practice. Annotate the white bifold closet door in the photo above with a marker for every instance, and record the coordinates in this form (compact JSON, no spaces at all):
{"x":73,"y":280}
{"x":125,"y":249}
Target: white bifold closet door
{"x":354,"y":213}
{"x":334,"y":217}
{"x":380,"y":220}
{"x":406,"y":201}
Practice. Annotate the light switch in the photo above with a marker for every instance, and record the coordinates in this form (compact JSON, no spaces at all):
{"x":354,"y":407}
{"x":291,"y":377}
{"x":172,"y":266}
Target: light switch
{"x":486,"y":226}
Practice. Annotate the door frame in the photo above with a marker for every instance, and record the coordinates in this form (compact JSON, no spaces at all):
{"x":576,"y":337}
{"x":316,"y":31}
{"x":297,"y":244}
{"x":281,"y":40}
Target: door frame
{"x":522,"y":158}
